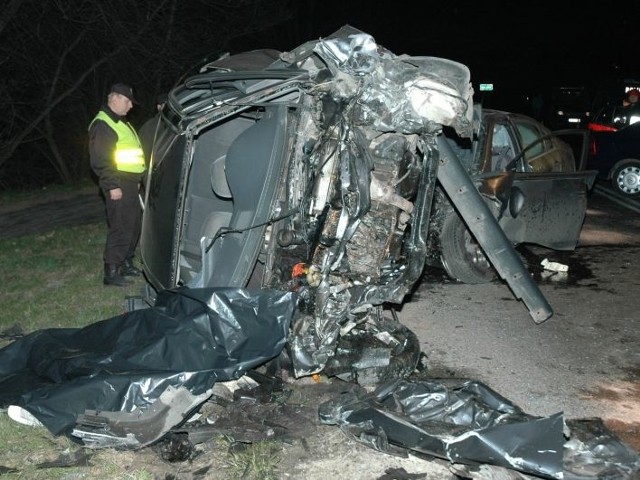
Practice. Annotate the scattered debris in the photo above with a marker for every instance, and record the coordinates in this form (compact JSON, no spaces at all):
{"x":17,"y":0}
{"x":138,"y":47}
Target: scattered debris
{"x":22,"y":416}
{"x":554,"y":266}
{"x":471,"y":424}
{"x":76,"y":458}
{"x":13,"y":332}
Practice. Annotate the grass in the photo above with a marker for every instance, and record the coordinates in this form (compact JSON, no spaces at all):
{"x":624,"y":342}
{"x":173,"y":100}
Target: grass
{"x":257,"y":461}
{"x":56,"y":280}
{"x":24,"y":448}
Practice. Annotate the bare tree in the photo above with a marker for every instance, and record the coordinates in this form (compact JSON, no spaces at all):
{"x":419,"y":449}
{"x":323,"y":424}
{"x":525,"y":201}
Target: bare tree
{"x":64,"y":55}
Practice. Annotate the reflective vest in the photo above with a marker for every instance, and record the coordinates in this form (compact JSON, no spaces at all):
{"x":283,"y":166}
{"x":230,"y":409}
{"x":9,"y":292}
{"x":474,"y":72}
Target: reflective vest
{"x":128,"y":154}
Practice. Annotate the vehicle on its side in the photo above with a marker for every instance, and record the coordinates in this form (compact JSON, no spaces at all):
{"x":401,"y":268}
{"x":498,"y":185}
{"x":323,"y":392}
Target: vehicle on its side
{"x":615,"y":147}
{"x":335,"y":170}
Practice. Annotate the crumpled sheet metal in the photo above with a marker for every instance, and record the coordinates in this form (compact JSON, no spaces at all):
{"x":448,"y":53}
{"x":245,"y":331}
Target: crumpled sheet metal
{"x":397,"y":93}
{"x":374,"y":353}
{"x":470,"y":424}
{"x":191,"y":339}
{"x":372,"y":92}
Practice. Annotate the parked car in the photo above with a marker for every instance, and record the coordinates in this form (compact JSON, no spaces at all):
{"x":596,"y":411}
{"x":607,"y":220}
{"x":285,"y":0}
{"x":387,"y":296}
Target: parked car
{"x":530,"y":176}
{"x":615,"y":147}
{"x":335,"y":170}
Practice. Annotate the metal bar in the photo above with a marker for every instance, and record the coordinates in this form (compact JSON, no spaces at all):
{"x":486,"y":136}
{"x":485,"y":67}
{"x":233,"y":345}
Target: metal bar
{"x":487,"y":231}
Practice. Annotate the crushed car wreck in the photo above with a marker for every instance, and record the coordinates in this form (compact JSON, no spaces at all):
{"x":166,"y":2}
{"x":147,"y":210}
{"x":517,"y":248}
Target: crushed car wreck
{"x":290,"y":196}
{"x":326,"y":171}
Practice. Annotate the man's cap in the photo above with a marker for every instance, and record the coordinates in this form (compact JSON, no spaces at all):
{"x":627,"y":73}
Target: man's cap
{"x":124,"y":89}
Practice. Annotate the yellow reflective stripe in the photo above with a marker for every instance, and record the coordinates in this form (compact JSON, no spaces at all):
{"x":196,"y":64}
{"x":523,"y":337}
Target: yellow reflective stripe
{"x":130,"y":156}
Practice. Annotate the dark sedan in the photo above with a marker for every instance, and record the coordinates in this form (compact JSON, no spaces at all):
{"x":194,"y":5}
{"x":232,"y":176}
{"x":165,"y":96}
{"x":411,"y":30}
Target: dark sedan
{"x":615,"y":147}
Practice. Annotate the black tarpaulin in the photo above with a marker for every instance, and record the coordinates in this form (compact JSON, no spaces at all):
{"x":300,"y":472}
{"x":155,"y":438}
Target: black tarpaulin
{"x":175,"y":351}
{"x":467,"y":423}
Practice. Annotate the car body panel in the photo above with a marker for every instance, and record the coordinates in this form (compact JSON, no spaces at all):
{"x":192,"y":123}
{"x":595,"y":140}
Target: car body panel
{"x":546,"y":209}
{"x":530,"y":175}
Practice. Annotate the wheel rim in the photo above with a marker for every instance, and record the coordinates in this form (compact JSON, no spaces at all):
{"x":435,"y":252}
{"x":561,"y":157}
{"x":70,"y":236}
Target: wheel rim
{"x":628,"y":179}
{"x":475,"y":253}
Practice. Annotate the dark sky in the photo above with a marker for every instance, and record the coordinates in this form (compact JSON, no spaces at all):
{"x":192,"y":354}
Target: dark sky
{"x":512,"y":44}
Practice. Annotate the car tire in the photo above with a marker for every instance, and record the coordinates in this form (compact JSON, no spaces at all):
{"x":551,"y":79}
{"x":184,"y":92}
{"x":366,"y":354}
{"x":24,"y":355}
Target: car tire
{"x":626,"y":177}
{"x":462,"y":257}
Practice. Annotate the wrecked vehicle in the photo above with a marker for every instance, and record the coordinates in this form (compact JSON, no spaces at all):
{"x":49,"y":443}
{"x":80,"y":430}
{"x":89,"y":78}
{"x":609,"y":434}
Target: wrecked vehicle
{"x":330,"y":171}
{"x":289,"y":197}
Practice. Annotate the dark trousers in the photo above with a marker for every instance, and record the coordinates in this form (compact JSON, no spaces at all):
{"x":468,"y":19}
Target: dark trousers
{"x":123,"y":222}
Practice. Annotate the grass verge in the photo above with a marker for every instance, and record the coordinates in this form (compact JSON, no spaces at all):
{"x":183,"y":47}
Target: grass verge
{"x":54,"y":280}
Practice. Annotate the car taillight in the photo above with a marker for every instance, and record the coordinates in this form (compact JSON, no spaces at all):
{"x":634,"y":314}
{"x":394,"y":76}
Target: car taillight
{"x":593,"y":148}
{"x":598,"y":127}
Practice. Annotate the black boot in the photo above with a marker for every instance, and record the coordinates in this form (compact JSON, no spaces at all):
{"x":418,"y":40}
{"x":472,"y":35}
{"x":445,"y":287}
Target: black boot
{"x":113,"y":277}
{"x":128,"y":269}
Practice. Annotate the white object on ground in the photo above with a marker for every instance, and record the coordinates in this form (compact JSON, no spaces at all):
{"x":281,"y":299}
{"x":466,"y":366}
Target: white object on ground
{"x":554,"y":266}
{"x":20,"y":415}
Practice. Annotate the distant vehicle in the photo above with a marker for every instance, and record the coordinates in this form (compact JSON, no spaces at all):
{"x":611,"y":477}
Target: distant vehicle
{"x":569,"y":108}
{"x":615,"y":147}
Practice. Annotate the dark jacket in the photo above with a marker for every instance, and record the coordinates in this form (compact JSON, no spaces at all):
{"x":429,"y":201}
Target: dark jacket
{"x":102,"y":143}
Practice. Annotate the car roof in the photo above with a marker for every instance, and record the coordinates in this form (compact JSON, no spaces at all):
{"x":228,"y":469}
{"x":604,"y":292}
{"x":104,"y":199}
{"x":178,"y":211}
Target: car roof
{"x":251,"y":60}
{"x":491,"y":112}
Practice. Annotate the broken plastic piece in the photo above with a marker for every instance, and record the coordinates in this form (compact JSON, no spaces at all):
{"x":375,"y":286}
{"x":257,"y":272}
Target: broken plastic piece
{"x":20,"y":415}
{"x":554,"y":266}
{"x":299,"y":270}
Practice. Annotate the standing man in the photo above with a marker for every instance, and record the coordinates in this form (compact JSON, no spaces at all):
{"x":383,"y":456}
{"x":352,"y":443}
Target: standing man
{"x":117,"y":159}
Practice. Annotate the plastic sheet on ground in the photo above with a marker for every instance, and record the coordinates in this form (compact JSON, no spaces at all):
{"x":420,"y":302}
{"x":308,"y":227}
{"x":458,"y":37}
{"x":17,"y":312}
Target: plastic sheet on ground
{"x":470,"y":424}
{"x":128,"y":379}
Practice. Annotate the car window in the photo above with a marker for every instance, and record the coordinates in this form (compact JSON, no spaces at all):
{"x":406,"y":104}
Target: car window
{"x":532,"y":146}
{"x":502,"y":149}
{"x":626,"y":116}
{"x":618,"y":116}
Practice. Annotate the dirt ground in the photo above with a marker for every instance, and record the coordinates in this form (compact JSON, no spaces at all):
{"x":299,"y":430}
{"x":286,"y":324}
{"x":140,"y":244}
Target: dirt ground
{"x":305,"y":448}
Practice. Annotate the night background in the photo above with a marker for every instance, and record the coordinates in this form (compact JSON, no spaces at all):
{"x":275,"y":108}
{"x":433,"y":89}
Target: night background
{"x":58,"y":59}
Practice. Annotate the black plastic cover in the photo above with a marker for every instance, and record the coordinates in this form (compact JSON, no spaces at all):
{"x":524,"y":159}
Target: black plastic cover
{"x":191,"y":339}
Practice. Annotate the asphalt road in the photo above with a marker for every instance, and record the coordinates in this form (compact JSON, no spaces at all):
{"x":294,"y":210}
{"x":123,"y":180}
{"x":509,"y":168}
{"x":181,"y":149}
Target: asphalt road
{"x":42,"y":215}
{"x":583,"y":361}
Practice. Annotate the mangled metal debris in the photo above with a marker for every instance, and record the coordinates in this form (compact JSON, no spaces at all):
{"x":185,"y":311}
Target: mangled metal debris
{"x":346,"y":144}
{"x":468,"y":423}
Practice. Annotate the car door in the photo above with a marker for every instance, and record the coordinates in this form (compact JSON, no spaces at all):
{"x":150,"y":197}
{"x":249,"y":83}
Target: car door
{"x":542,"y":199}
